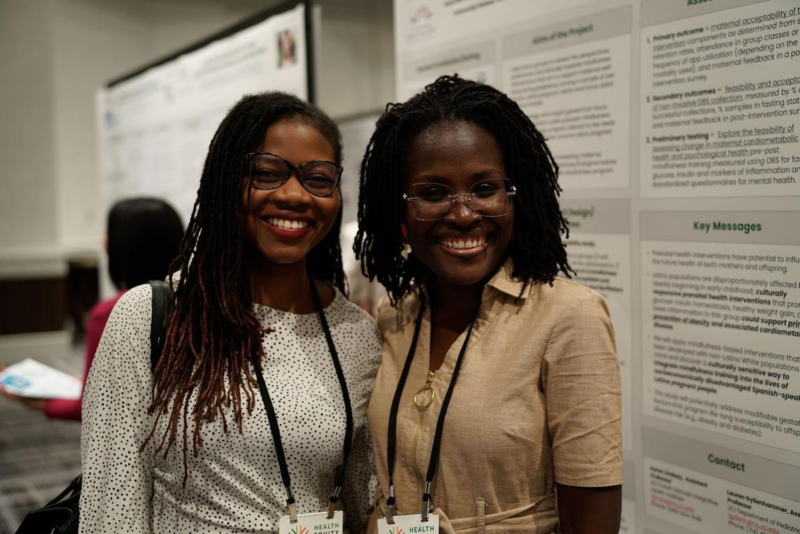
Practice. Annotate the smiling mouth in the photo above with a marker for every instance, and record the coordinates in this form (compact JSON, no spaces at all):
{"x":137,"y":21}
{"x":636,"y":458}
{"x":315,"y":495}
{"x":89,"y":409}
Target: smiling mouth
{"x":287,"y":224}
{"x":464,"y":243}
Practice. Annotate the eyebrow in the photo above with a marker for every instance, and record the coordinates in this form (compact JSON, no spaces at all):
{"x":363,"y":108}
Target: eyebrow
{"x":436,"y":179}
{"x":430,"y":178}
{"x":487,"y":174}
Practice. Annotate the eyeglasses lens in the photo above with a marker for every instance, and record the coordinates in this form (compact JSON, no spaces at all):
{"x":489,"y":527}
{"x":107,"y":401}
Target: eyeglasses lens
{"x":319,"y":177}
{"x":270,"y":172}
{"x":488,"y":198}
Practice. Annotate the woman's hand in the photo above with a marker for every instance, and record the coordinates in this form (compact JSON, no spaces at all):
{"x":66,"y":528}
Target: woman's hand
{"x":589,"y":510}
{"x":33,"y":404}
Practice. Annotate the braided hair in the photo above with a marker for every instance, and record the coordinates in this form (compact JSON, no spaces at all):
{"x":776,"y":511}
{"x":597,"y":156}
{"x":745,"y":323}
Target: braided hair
{"x":537,"y":251}
{"x":213,"y":333}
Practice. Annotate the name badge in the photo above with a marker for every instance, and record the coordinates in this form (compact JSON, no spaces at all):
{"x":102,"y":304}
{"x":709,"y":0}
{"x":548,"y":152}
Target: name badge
{"x":313,"y":524}
{"x":410,"y":524}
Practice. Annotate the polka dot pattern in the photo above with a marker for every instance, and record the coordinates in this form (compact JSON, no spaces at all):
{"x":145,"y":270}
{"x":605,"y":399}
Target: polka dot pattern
{"x":234,"y":484}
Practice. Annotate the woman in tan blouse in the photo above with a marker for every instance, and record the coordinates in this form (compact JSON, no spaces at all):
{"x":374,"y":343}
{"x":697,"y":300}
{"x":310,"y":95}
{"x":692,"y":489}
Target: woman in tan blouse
{"x":459,"y":220}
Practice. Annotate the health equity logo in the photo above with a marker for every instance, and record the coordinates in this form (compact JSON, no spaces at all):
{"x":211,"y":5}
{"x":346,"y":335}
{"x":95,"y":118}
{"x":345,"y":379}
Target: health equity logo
{"x":299,"y":529}
{"x":395,"y":530}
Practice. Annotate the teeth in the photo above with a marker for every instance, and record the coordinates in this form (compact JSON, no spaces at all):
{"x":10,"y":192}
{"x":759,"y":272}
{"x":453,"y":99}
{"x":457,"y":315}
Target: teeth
{"x":285,"y":223}
{"x":463,"y":244}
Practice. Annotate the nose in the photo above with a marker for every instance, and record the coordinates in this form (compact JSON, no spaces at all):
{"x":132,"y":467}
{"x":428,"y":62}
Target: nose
{"x":461,"y":214}
{"x":292,"y":193}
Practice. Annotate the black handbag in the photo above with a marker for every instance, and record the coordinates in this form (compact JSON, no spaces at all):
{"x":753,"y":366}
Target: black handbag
{"x":61,"y":515}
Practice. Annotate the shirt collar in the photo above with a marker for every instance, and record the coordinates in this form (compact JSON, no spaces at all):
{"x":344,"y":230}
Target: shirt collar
{"x":504,"y":281}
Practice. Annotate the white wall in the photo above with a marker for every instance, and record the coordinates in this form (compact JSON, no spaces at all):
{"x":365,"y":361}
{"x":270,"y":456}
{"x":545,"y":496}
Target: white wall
{"x":54,"y":54}
{"x":355,"y":67}
{"x":28,"y":197}
{"x":93,"y":41}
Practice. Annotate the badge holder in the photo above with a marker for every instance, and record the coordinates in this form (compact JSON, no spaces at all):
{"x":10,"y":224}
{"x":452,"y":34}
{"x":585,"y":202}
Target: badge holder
{"x":318,"y":523}
{"x":388,"y":511}
{"x":312,"y":523}
{"x":424,"y":522}
{"x":327,"y":522}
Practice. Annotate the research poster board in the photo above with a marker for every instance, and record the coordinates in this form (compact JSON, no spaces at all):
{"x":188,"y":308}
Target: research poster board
{"x":155,"y":127}
{"x":721,"y":101}
{"x":675,"y":127}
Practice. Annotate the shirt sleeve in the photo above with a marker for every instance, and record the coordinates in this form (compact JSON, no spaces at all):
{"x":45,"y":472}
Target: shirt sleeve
{"x":117,"y":479}
{"x":580,"y":374}
{"x":68,"y":409}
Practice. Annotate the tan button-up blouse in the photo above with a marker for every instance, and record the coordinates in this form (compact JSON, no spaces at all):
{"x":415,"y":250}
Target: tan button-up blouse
{"x":537,"y":401}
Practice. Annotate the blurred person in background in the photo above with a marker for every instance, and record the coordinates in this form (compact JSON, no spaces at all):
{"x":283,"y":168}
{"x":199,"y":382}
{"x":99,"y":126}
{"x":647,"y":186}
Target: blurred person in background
{"x":142,"y":239}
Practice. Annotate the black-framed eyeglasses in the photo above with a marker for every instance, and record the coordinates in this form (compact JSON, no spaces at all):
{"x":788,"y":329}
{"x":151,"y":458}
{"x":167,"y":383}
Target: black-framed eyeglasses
{"x":269,"y":171}
{"x":488,"y":198}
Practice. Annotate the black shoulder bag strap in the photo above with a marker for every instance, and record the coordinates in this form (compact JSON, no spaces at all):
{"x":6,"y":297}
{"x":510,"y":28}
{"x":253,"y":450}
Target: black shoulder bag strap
{"x":162,"y":306}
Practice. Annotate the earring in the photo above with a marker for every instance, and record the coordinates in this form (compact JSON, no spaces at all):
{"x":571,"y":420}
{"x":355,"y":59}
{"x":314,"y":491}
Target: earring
{"x":406,"y":246}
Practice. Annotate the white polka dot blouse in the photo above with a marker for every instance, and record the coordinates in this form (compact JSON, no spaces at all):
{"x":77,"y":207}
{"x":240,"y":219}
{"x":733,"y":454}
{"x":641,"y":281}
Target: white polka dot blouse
{"x":234,"y":484}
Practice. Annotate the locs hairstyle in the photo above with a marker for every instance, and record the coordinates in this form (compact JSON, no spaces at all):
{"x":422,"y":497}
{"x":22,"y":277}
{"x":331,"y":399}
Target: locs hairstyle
{"x":537,"y":251}
{"x":144,"y":235}
{"x":212,"y":332}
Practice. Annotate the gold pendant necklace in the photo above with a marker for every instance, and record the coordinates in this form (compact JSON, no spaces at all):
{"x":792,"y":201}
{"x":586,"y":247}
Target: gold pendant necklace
{"x":425,"y":396}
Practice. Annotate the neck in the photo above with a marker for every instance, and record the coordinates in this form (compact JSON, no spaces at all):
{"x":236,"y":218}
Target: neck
{"x":453,"y":306}
{"x":282,"y":287}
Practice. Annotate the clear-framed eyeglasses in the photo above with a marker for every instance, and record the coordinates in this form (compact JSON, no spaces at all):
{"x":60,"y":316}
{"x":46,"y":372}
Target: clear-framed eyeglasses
{"x":488,"y":198}
{"x":269,"y":171}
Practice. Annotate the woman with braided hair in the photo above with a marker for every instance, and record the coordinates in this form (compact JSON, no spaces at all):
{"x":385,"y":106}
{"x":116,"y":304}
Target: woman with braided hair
{"x":497,"y":405}
{"x":256,"y":411}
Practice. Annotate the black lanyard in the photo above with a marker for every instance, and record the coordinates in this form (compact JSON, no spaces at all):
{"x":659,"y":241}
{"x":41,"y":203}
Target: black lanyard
{"x":437,"y":437}
{"x":276,"y":432}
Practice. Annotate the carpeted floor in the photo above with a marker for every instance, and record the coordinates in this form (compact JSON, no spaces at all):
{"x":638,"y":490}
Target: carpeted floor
{"x":38,"y":456}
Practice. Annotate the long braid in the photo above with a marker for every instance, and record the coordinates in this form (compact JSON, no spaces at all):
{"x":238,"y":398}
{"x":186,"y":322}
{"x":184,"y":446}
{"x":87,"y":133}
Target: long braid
{"x":537,"y":251}
{"x":213,"y":335}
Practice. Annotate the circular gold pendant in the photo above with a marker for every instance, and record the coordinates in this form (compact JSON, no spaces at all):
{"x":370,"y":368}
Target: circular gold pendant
{"x":424,"y":398}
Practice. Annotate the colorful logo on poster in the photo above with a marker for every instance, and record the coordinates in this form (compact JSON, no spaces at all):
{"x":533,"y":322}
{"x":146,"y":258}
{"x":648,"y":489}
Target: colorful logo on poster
{"x":299,"y":529}
{"x":422,"y":25}
{"x":421,"y":13}
{"x":395,"y":530}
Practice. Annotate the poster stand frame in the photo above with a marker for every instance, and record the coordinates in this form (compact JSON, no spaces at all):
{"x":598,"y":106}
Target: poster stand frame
{"x":234,"y":29}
